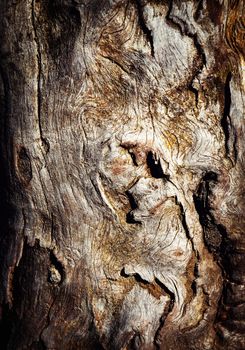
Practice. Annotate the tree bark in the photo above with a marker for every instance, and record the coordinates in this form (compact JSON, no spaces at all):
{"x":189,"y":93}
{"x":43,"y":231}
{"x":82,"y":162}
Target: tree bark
{"x":122,"y":174}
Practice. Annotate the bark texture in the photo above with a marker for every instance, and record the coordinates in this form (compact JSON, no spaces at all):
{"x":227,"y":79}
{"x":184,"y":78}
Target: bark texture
{"x":122,"y":174}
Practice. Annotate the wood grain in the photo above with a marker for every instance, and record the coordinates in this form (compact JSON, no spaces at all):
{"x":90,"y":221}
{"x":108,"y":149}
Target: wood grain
{"x":122,"y":181}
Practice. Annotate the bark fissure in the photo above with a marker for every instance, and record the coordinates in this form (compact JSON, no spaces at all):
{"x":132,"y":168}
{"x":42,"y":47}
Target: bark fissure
{"x":6,"y":105}
{"x":57,"y":274}
{"x":133,"y":204}
{"x":183,"y":221}
{"x":200,"y":49}
{"x":184,"y":30}
{"x":130,"y":151}
{"x":196,"y":75}
{"x":218,"y":242}
{"x":24,"y":165}
{"x":48,"y":322}
{"x":163,"y":318}
{"x":226,"y":120}
{"x":143,"y":25}
{"x":196,"y":275}
{"x":194,"y":90}
{"x":44,"y":141}
{"x":212,"y":235}
{"x":136,"y":276}
{"x":190,"y":239}
{"x":152,"y":288}
{"x":133,"y":157}
{"x":155,"y":167}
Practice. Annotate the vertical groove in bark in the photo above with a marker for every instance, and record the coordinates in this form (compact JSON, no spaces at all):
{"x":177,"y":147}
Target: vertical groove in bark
{"x":230,"y":140}
{"x":143,"y":25}
{"x":165,"y":314}
{"x":39,"y":65}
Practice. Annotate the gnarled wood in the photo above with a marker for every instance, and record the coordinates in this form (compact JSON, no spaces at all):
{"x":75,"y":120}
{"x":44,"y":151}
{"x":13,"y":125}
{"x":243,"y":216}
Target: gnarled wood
{"x":122,"y":182}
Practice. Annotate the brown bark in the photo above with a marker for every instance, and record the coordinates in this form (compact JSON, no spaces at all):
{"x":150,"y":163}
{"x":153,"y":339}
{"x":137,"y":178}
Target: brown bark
{"x":122,"y":174}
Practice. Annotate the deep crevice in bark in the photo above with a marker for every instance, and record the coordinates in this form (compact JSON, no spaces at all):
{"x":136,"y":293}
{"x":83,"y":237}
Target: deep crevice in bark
{"x":44,"y":141}
{"x":7,"y":210}
{"x":196,"y":275}
{"x":200,"y":49}
{"x":5,"y":105}
{"x":133,"y":157}
{"x":136,"y":276}
{"x":144,"y":27}
{"x":24,"y":165}
{"x":64,"y":25}
{"x":198,"y":10}
{"x":183,"y":28}
{"x":10,"y":191}
{"x":133,"y":204}
{"x":135,"y":342}
{"x":58,"y":266}
{"x":196,"y":254}
{"x":196,"y":74}
{"x":167,"y":311}
{"x":219,"y":244}
{"x":48,"y":320}
{"x":183,"y":219}
{"x":155,"y":167}
{"x":13,"y":325}
{"x":130,"y":152}
{"x":212,"y":235}
{"x":163,"y":318}
{"x":39,"y":64}
{"x":187,"y":232}
{"x":194,"y":91}
{"x":226,"y":121}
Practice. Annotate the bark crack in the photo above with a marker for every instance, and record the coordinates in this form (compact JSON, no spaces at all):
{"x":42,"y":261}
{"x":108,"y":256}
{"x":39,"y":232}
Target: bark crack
{"x":190,"y":239}
{"x":57,"y":275}
{"x":131,"y":153}
{"x":183,"y":220}
{"x":194,"y":90}
{"x":226,"y":120}
{"x":44,"y":141}
{"x":155,"y":288}
{"x":143,"y":25}
{"x":218,"y":243}
{"x":133,"y":204}
{"x":167,"y":311}
{"x":196,"y":74}
{"x":183,"y":28}
{"x":154,"y":165}
{"x":6,"y":105}
{"x":212,"y":234}
{"x":41,"y":340}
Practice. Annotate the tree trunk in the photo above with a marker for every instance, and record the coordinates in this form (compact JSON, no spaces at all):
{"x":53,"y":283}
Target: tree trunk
{"x":122,"y":189}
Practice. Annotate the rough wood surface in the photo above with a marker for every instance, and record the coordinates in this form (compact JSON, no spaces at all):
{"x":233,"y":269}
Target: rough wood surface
{"x":122,"y":174}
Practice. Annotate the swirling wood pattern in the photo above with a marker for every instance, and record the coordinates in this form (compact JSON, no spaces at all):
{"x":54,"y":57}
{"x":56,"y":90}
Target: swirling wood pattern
{"x":122,"y":181}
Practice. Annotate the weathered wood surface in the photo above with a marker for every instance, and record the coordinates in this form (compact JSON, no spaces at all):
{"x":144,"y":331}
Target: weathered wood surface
{"x":122,"y":174}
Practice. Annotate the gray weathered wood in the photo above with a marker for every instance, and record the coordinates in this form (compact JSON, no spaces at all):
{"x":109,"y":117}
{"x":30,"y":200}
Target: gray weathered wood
{"x":122,"y":181}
